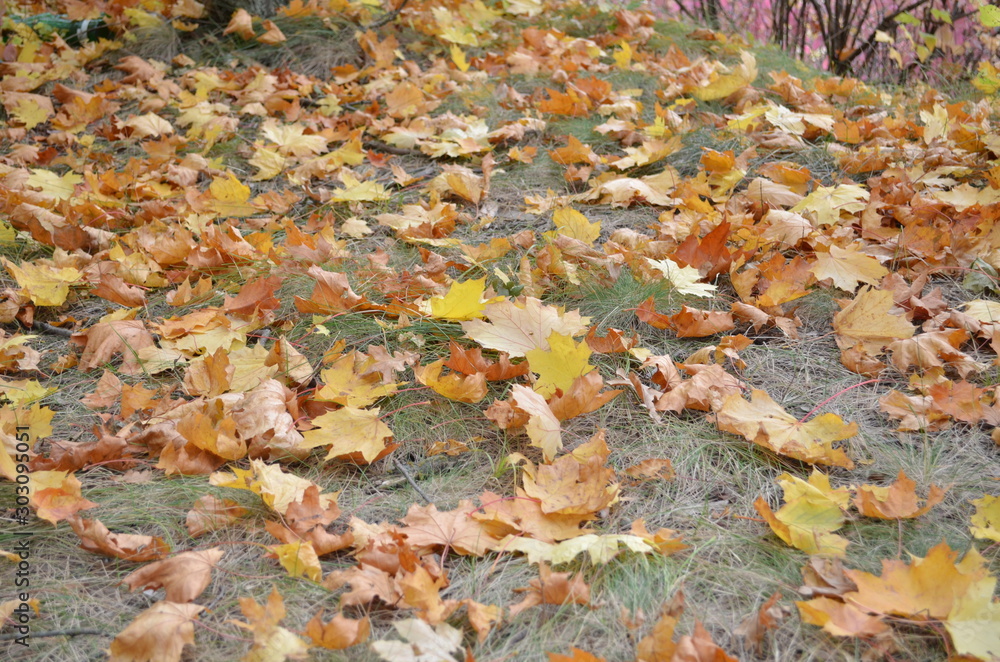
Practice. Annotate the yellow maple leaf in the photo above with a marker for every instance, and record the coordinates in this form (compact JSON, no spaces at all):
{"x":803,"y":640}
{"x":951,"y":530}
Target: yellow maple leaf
{"x":848,"y":266}
{"x":53,"y":185}
{"x":458,"y":57}
{"x":299,"y":559}
{"x":764,"y":422}
{"x":350,"y":433}
{"x":230,"y":197}
{"x":867,"y":320}
{"x":812,"y":512}
{"x":826,"y":203}
{"x":726,"y":84}
{"x":276,"y":488}
{"x":986,"y":520}
{"x":44,"y":284}
{"x":558,"y":366}
{"x":464,"y":301}
{"x":572,"y":223}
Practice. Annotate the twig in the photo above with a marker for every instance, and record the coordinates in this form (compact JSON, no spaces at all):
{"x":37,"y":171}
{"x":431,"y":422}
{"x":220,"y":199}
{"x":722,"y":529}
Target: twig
{"x":391,"y":149}
{"x":55,"y":633}
{"x":409,"y":479}
{"x":54,"y":330}
{"x":388,"y":17}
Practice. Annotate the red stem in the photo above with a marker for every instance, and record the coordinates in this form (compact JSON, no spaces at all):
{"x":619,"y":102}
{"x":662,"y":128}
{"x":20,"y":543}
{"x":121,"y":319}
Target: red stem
{"x":835,"y":396}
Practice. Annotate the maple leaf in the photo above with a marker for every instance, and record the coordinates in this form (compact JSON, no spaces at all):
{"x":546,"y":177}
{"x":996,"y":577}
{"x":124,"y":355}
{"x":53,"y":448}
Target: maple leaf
{"x":158,"y":634}
{"x":897,"y":501}
{"x":812,"y":512}
{"x":684,"y":279}
{"x":348,"y":382}
{"x":464,"y":301}
{"x":766,"y":423}
{"x":986,"y":520}
{"x":339,"y":632}
{"x":560,"y":365}
{"x":427,"y":528}
{"x":351,"y":433}
{"x":570,"y":486}
{"x":211,"y":513}
{"x":56,"y":495}
{"x":768,"y":617}
{"x":105,"y":339}
{"x":299,"y":559}
{"x":572,"y":223}
{"x":454,"y":386}
{"x":422,"y":642}
{"x":867,"y":320}
{"x":552,"y":588}
{"x":601,"y":549}
{"x":96,"y":538}
{"x":847,"y":267}
{"x":183,"y":577}
{"x":517,"y":327}
{"x":270,"y":641}
{"x":277,"y":489}
{"x":543,"y":426}
{"x":825,"y":204}
{"x":45,"y":285}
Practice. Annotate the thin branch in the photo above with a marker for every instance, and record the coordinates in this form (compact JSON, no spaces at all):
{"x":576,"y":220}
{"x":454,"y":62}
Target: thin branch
{"x":73,"y":632}
{"x":388,"y":18}
{"x":409,"y":479}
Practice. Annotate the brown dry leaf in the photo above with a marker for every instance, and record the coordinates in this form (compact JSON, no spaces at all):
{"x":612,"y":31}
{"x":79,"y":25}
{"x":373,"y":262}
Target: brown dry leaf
{"x":158,"y":634}
{"x":116,"y":290}
{"x":934,"y":350}
{"x":242,"y":24}
{"x":427,"y":529}
{"x":655,"y":469}
{"x":183,"y":577}
{"x":211,"y":513}
{"x":694,"y":323}
{"x":582,"y":397}
{"x":764,"y":422}
{"x":255,"y":300}
{"x":332,"y":294}
{"x":897,"y":501}
{"x":339,"y":632}
{"x":768,"y":617}
{"x":96,"y":538}
{"x":105,"y":339}
{"x":570,"y":486}
{"x":471,"y":362}
{"x":552,"y":588}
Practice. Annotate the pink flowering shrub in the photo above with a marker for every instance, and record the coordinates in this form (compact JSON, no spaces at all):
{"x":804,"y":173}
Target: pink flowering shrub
{"x":934,"y":40}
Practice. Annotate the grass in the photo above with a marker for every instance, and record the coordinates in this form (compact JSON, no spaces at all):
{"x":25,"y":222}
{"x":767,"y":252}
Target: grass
{"x":733,"y":564}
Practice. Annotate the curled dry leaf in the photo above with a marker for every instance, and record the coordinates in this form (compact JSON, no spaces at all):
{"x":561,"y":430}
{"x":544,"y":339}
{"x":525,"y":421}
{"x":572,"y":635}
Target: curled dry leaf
{"x":104,"y":340}
{"x":211,"y":513}
{"x":766,"y":423}
{"x":338,"y":633}
{"x":552,"y":588}
{"x":158,"y":634}
{"x":96,"y":538}
{"x":897,"y":501}
{"x":183,"y":577}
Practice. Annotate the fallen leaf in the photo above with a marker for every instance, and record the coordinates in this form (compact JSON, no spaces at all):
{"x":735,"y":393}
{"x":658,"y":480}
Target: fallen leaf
{"x":183,"y":577}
